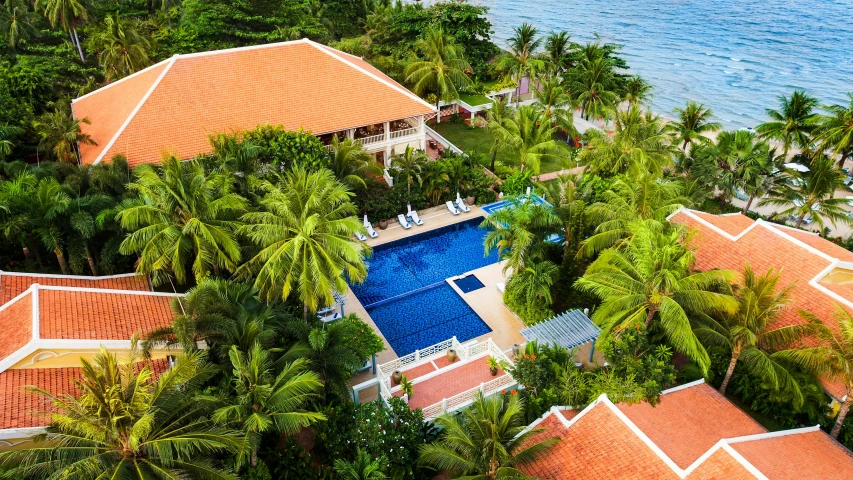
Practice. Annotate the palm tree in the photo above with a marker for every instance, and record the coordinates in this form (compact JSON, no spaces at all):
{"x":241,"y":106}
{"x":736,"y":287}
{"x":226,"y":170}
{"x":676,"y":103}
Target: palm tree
{"x":749,"y":333}
{"x":534,"y":282}
{"x":640,"y":144}
{"x":692,"y":124}
{"x":67,"y":14}
{"x":305,"y":231}
{"x":238,"y":159}
{"x":495,"y":117}
{"x":521,"y":59}
{"x":793,"y":123}
{"x":592,"y":84}
{"x":182,"y":217}
{"x":813,"y":193}
{"x":127,"y":424}
{"x":48,"y":206}
{"x":83,"y":224}
{"x":636,"y":90}
{"x":409,"y":166}
{"x":486,"y":441}
{"x":832,"y":357}
{"x":351,"y":163}
{"x":7,"y":133}
{"x":835,"y":131}
{"x":60,"y":133}
{"x":557,"y":49}
{"x":16,"y":22}
{"x":735,"y":162}
{"x":518,"y":232}
{"x":443,"y":69}
{"x":436,"y":180}
{"x":529,"y":136}
{"x":651,"y":281}
{"x":268,"y":397}
{"x":19,"y":217}
{"x":362,"y":468}
{"x":645,"y":200}
{"x":552,"y":96}
{"x":567,"y":195}
{"x":121,"y":48}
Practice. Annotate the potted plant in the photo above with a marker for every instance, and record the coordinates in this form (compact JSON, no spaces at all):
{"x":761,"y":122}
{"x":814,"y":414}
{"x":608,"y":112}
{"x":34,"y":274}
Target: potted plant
{"x":396,"y":377}
{"x":493,"y":366}
{"x":470,"y":199}
{"x":451,"y":355}
{"x":407,"y":387}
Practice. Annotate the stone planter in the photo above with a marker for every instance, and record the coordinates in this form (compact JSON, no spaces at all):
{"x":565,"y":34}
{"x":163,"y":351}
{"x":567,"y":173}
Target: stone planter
{"x":396,"y":377}
{"x":469,"y":200}
{"x":451,"y":355}
{"x":383,"y":224}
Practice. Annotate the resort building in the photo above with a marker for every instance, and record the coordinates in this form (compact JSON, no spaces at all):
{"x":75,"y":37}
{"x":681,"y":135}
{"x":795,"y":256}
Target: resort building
{"x":174,"y":106}
{"x":694,"y":433}
{"x":51,"y":322}
{"x":821,"y":271}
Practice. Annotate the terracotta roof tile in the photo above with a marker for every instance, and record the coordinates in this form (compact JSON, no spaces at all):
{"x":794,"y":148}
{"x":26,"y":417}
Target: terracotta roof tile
{"x":688,"y":422}
{"x":20,"y":408}
{"x":799,"y":456}
{"x":598,"y":445}
{"x":13,"y":284}
{"x":100,"y":316}
{"x":764,"y":249}
{"x":16,"y":323}
{"x":720,"y":466}
{"x":295,"y":84}
{"x":731,"y":224}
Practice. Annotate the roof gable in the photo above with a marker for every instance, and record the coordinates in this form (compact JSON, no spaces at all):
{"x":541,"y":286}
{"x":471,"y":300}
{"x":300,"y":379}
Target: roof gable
{"x":297,"y":84}
{"x":797,"y":454}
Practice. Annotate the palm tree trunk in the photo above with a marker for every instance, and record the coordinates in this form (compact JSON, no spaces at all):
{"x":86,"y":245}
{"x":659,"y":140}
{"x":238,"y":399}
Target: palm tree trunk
{"x":494,"y":157}
{"x":800,"y":219}
{"x":748,"y":204}
{"x":254,"y":457}
{"x":842,"y":414}
{"x":729,"y":372}
{"x":305,"y":312}
{"x":62,"y":263}
{"x":651,"y":315}
{"x":90,"y":260}
{"x":33,"y":248}
{"x":76,"y":41}
{"x":26,"y":253}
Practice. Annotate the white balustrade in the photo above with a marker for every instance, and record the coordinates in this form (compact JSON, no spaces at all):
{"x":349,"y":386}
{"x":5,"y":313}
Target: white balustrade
{"x":372,"y":139}
{"x":404,"y":133}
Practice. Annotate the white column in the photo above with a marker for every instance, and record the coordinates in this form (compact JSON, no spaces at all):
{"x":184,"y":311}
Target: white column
{"x":472,"y":118}
{"x":422,"y":132}
{"x":351,"y":133}
{"x":387,"y":156}
{"x":387,"y":132}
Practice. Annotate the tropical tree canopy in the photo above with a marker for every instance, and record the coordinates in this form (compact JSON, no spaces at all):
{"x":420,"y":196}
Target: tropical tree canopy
{"x":640,"y":144}
{"x":692,"y":124}
{"x":305,"y":233}
{"x":182,"y":217}
{"x":518,"y":232}
{"x":443,"y":70}
{"x":793,"y":123}
{"x":529,"y":135}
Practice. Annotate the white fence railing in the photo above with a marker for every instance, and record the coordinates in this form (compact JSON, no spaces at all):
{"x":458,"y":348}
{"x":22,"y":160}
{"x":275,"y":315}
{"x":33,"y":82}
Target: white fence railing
{"x":372,"y":139}
{"x":404,"y":133}
{"x":443,"y":141}
{"x":465,"y":353}
{"x":463,"y":399}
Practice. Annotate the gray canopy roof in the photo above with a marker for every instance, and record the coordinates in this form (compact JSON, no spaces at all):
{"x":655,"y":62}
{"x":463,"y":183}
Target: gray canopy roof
{"x":568,"y":329}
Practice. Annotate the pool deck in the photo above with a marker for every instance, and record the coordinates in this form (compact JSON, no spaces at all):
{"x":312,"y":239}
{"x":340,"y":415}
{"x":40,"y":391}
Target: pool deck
{"x":487,"y":302}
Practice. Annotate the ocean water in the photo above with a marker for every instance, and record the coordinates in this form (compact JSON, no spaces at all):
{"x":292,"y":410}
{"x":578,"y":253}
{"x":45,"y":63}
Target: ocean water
{"x":735,"y":56}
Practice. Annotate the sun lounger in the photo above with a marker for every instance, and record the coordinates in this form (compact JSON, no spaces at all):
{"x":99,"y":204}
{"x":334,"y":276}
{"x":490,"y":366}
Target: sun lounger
{"x":405,"y":223}
{"x":331,"y":318}
{"x":413,"y":215}
{"x":500,"y":286}
{"x":369,"y":228}
{"x":452,"y":208}
{"x":461,"y":204}
{"x":360,"y":236}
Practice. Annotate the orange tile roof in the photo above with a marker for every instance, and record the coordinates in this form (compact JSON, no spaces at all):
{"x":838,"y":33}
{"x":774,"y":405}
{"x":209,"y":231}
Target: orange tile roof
{"x":797,"y":456}
{"x":178,"y":103}
{"x":13,"y":284}
{"x":720,"y":466}
{"x":731,"y":224}
{"x":20,"y":408}
{"x":689,"y":421}
{"x":82,"y":315}
{"x":16,"y":323}
{"x":598,"y":445}
{"x":766,"y":246}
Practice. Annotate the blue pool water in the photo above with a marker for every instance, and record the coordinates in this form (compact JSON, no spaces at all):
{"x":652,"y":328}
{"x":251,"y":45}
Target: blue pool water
{"x":406,"y":293}
{"x":468,"y":284}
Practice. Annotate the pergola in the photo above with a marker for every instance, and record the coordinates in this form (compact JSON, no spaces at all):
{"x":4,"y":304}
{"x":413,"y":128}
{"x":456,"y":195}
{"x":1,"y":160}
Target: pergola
{"x":569,"y":329}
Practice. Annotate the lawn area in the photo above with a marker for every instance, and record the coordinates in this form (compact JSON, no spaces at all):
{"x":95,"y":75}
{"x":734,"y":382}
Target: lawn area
{"x":480,"y":140}
{"x":474,"y":100}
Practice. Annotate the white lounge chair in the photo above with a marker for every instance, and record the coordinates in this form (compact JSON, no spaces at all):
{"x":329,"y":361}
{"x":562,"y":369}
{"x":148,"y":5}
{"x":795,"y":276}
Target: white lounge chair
{"x":369,"y":227}
{"x":461,"y":204}
{"x":452,"y":208}
{"x":413,"y":215}
{"x":360,"y":236}
{"x":405,"y":223}
{"x":500,"y":286}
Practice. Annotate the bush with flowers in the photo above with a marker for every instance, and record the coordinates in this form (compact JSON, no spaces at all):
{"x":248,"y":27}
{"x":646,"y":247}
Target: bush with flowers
{"x":395,"y":433}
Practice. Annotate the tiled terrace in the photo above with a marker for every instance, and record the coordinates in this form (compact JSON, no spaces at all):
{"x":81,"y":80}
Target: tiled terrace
{"x":445,"y":385}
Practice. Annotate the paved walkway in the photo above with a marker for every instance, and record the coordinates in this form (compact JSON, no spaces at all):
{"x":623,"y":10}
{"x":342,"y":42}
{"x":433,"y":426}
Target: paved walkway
{"x":552,"y":175}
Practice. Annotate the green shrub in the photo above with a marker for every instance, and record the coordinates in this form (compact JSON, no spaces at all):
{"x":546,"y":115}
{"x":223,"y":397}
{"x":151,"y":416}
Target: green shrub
{"x":517,"y":183}
{"x":287,"y":149}
{"x":292,"y":462}
{"x":362,"y":337}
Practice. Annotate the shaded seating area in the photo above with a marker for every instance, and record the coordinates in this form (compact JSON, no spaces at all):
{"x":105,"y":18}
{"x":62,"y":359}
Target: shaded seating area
{"x":571,"y":329}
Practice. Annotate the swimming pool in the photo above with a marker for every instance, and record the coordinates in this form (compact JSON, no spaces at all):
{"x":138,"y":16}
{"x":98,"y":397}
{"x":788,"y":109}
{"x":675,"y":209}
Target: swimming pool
{"x":499,"y":205}
{"x":406,"y":293}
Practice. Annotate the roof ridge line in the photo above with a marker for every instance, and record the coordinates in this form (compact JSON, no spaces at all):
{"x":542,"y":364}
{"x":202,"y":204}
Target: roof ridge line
{"x":134,"y":74}
{"x":398,"y":88}
{"x":136,"y":109}
{"x":767,"y":435}
{"x":16,"y":298}
{"x":114,"y":291}
{"x":684,"y":386}
{"x":74,"y":277}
